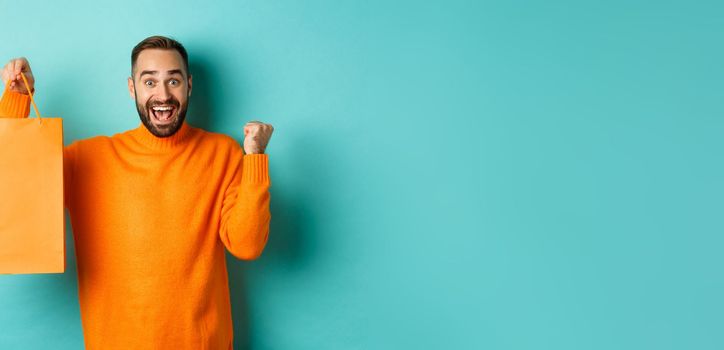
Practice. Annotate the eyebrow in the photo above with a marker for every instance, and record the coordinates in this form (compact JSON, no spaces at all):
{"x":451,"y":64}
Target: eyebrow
{"x":154,"y":72}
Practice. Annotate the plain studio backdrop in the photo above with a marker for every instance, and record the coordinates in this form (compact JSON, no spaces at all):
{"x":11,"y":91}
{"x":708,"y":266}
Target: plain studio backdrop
{"x":445,"y":174}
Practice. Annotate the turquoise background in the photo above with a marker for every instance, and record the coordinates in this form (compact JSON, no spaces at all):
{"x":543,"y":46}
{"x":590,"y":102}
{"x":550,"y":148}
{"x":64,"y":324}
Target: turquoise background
{"x":446,"y":175}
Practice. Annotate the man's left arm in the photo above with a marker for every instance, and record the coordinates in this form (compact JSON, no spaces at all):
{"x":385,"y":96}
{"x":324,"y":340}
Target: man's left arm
{"x":245,"y":214}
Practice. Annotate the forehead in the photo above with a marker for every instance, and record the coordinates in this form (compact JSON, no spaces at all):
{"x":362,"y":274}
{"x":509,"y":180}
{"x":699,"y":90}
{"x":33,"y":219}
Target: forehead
{"x":158,"y":60}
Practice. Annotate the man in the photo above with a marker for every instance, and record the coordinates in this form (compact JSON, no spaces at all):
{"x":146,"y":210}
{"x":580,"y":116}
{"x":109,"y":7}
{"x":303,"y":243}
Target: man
{"x":153,"y":208}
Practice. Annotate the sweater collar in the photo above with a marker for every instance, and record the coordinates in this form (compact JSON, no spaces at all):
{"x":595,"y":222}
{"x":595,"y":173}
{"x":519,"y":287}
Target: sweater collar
{"x":152,"y":141}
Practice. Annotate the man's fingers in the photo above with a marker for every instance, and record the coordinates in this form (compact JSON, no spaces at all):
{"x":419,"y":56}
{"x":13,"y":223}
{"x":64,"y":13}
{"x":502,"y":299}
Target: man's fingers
{"x":8,"y":73}
{"x":252,"y":129}
{"x":19,"y":66}
{"x":256,"y":127}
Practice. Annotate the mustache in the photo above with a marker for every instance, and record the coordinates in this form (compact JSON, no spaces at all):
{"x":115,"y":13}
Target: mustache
{"x":170,"y":102}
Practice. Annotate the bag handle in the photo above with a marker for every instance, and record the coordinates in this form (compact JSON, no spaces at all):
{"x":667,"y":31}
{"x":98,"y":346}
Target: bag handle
{"x":27,"y":86}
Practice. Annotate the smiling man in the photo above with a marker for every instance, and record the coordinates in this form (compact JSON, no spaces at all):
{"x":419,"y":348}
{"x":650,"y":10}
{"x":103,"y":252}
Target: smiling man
{"x":161,"y":92}
{"x":153,"y":209}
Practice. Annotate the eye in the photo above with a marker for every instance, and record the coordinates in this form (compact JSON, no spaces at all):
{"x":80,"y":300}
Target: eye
{"x":174,"y":82}
{"x":148,"y":82}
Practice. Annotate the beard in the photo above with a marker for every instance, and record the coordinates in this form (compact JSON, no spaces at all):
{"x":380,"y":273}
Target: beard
{"x":162,"y":130}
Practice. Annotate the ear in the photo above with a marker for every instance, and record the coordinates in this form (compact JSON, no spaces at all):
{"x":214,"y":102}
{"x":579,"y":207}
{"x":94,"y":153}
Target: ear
{"x":131,"y":88}
{"x":190,"y":83}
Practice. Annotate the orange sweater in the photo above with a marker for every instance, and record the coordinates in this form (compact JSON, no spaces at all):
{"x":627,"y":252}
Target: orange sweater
{"x":151,"y":217}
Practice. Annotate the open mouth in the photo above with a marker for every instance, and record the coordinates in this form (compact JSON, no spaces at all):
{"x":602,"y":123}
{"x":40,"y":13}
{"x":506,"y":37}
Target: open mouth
{"x":163,"y":114}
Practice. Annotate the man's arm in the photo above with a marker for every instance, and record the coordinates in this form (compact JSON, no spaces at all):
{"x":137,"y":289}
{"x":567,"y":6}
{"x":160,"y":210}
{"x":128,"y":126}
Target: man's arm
{"x":14,"y":105}
{"x":15,"y":102}
{"x":245,"y":214}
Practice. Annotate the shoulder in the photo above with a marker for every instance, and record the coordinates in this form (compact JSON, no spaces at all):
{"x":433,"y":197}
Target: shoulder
{"x":216,"y":139}
{"x":83,"y":148}
{"x":91,"y":142}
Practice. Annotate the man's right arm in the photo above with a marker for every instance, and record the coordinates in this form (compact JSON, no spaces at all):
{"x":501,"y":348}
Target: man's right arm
{"x":14,"y":105}
{"x":15,"y":102}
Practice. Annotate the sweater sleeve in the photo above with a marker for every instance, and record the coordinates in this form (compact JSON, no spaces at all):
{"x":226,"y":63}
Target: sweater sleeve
{"x":14,"y":105}
{"x":245,"y":214}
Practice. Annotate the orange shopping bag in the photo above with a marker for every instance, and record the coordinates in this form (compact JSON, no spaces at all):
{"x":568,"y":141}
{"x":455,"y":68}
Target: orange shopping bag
{"x":32,"y":221}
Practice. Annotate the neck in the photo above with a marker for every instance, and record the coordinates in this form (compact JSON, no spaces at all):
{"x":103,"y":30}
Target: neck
{"x":145,"y":137}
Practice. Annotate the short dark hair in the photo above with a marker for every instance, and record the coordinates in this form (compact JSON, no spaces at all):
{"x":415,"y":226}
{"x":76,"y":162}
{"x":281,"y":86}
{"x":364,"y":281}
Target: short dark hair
{"x":159,"y":42}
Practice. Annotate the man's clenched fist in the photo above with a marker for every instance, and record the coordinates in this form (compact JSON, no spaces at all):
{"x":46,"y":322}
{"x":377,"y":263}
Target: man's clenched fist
{"x":256,"y":136}
{"x":11,"y":72}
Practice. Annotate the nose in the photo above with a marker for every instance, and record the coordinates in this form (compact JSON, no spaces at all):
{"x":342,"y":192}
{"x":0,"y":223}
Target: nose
{"x":164,"y":93}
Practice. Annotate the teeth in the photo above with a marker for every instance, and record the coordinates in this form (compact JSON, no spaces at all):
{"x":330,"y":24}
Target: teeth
{"x":161,"y":108}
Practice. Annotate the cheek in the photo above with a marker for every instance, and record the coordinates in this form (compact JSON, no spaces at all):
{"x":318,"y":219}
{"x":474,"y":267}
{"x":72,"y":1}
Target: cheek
{"x":181,"y":96}
{"x":142,"y":100}
{"x":143,"y":96}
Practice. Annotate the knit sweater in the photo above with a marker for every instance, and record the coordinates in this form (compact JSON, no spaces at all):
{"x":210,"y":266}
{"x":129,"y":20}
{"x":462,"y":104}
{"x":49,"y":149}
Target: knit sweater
{"x":151,"y":218}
